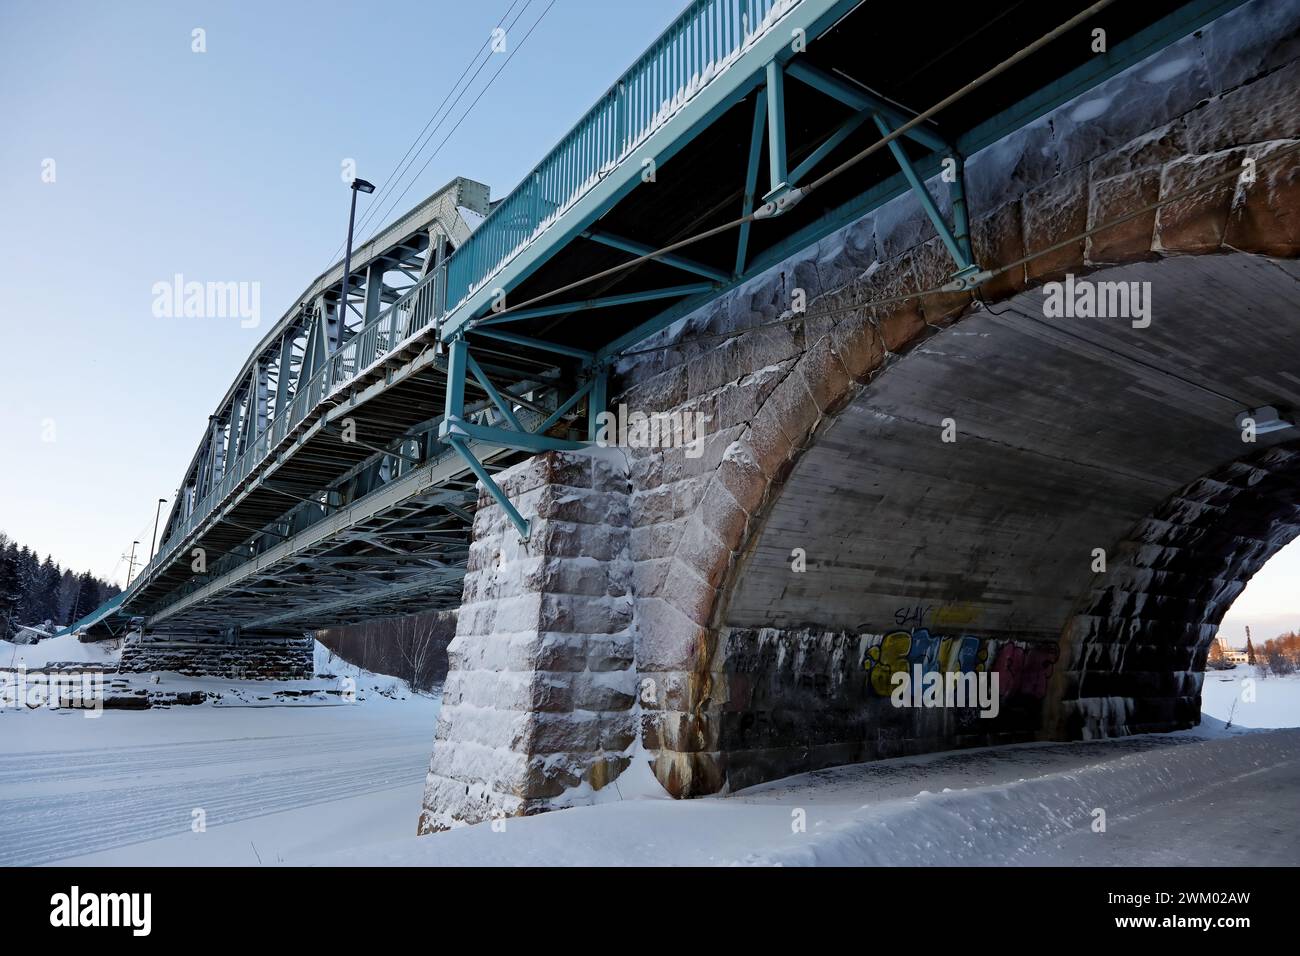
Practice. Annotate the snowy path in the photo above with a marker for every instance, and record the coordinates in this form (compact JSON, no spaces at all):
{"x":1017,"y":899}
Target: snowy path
{"x":62,"y":802}
{"x":1030,"y":803}
{"x":342,"y":784}
{"x":1250,"y":820}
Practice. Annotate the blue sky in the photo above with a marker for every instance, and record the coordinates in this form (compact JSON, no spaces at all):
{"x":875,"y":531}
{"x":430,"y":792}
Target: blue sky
{"x":225,"y":166}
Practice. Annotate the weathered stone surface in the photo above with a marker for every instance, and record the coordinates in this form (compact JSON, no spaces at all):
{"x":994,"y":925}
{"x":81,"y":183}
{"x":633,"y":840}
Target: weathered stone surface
{"x":1129,"y":105}
{"x":1266,"y":220}
{"x":1006,"y":170}
{"x":769,"y":442}
{"x":542,"y":670}
{"x":1196,"y":224}
{"x":856,"y":341}
{"x":935,"y":267}
{"x":288,"y":659}
{"x":1250,"y":41}
{"x":1256,"y":113}
{"x":1112,"y":198}
{"x":997,"y":241}
{"x":1150,"y":150}
{"x":1051,"y":214}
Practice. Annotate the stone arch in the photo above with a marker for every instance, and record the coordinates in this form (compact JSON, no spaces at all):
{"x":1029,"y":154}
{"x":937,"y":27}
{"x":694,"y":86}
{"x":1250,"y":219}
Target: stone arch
{"x":1053,"y":179}
{"x":739,"y":497}
{"x":1134,"y":653}
{"x":841,"y":356}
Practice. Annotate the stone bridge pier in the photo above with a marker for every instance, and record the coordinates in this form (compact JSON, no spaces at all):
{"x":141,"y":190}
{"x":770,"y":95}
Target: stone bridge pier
{"x":1013,"y":485}
{"x":237,"y":657}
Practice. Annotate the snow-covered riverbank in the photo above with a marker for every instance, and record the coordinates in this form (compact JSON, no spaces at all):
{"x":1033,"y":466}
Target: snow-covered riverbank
{"x":334,"y":783}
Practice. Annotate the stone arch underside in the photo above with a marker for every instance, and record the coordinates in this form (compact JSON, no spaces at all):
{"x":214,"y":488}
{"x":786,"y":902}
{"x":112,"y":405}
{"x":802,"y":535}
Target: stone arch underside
{"x":1135,"y":650}
{"x":1223,"y":258}
{"x":1070,"y":435}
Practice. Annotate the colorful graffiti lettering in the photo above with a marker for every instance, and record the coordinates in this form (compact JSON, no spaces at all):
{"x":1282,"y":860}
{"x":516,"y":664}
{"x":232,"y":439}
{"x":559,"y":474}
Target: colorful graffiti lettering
{"x":1023,"y":669}
{"x":885,"y":659}
{"x":900,"y":651}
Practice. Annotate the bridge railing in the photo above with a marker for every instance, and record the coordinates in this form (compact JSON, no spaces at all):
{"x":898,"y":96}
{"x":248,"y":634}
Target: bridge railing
{"x":701,"y":43}
{"x":94,"y":616}
{"x":698,"y":45}
{"x":404,"y":318}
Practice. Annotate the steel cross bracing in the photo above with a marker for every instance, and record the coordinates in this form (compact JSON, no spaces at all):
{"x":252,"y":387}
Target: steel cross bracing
{"x":461,"y":351}
{"x":785,"y":191}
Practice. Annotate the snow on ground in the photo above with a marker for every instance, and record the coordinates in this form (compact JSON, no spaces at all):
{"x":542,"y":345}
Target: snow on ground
{"x":57,"y":650}
{"x":1249,"y":820}
{"x":340,"y":784}
{"x":1226,"y":696}
{"x":335,"y":680}
{"x":1211,"y":796}
{"x":269,"y":780}
{"x":272,"y":776}
{"x":1031,"y":803}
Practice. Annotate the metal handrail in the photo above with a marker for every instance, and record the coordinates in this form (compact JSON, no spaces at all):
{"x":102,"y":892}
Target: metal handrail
{"x":697,"y":46}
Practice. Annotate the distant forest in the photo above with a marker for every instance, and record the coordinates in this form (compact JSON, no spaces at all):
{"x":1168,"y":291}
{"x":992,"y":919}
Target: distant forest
{"x":33,"y":592}
{"x":413,"y":648}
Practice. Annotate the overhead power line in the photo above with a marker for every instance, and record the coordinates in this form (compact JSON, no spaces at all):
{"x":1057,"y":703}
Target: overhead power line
{"x":417,"y":145}
{"x":510,"y":56}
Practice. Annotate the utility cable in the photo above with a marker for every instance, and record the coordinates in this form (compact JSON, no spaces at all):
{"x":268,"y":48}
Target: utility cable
{"x":948,"y":288}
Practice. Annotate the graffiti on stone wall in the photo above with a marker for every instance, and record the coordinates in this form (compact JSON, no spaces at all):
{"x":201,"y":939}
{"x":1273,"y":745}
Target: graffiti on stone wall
{"x":1023,"y":668}
{"x":945,"y":616}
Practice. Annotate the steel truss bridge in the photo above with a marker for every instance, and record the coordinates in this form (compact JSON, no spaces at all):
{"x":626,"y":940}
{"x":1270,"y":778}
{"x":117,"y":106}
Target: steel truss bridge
{"x":335,"y":481}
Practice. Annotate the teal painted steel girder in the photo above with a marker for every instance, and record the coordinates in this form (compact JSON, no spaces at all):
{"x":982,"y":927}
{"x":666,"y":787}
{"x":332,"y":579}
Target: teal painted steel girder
{"x":532,"y":343}
{"x":1120,"y":57}
{"x":565,"y":408}
{"x":597,"y":401}
{"x":751,"y":178}
{"x":502,"y":405}
{"x":874,"y":197}
{"x":455,"y":431}
{"x":959,"y":255}
{"x":492,"y":435}
{"x":861,"y":100}
{"x":481,"y":473}
{"x":846,"y":129}
{"x":960,"y":214}
{"x":94,"y":617}
{"x":560,"y":308}
{"x":668,"y":259}
{"x":886,"y":118}
{"x":743,"y":74}
{"x":776,"y":125}
{"x":457,"y":362}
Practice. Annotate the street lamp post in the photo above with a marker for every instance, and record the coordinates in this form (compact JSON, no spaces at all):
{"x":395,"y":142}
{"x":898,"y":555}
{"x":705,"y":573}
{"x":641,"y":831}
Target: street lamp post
{"x":130,"y":564}
{"x":153,"y":543}
{"x":358,"y":185}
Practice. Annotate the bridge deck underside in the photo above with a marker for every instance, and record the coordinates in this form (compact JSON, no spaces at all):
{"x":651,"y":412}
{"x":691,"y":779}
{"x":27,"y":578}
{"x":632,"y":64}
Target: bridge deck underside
{"x":407,"y":558}
{"x":702,"y":186}
{"x":320,"y":459}
{"x":1067,"y":433}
